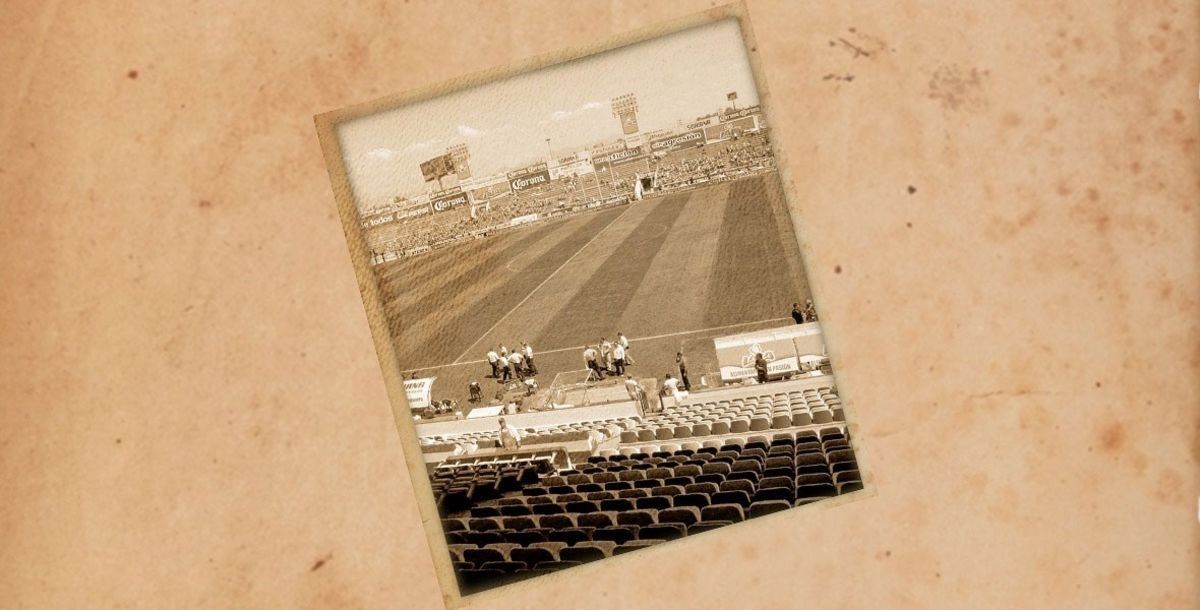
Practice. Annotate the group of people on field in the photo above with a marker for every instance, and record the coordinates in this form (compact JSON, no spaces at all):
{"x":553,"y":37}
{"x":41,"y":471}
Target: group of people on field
{"x":608,"y":357}
{"x":507,"y":364}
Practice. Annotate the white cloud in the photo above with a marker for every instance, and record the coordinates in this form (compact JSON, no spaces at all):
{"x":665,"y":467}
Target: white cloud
{"x":562,"y":115}
{"x":419,"y":146}
{"x":467,"y":131}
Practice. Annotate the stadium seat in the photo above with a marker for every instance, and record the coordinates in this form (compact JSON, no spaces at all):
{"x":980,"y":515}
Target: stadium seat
{"x":849,"y":486}
{"x":767,"y":507}
{"x":813,"y":479}
{"x":595,"y":520}
{"x":781,"y":421}
{"x":605,"y":546}
{"x":687,"y":515}
{"x":525,"y":537}
{"x":816,"y":490}
{"x":485,"y":511}
{"x":801,"y":418}
{"x":653,"y":503}
{"x":739,"y":497}
{"x":739,"y":426}
{"x":722,"y":512}
{"x":698,"y":500}
{"x":453,"y":525}
{"x":639,"y":518}
{"x":616,"y":505}
{"x":582,"y":553}
{"x":845,"y":476}
{"x":484,"y":525}
{"x":721,"y":427}
{"x":569,"y":536}
{"x":634,"y":545}
{"x":662,"y":531}
{"x":705,"y":526}
{"x":518,"y":523}
{"x":774,"y":493}
{"x":701,"y":429}
{"x":699,"y":487}
{"x":533,"y":556}
{"x":482,"y":556}
{"x":771,"y":482}
{"x":619,"y":534}
{"x":664,"y":434}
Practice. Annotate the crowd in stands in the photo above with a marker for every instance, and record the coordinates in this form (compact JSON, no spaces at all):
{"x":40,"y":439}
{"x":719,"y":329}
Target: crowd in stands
{"x":685,"y":167}
{"x":571,"y":194}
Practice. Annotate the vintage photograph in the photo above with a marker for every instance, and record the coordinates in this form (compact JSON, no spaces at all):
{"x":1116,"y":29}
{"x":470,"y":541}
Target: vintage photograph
{"x":592,"y":286}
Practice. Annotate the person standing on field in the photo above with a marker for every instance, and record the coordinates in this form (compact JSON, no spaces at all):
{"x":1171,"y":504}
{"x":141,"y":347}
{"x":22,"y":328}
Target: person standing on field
{"x":531,"y":369}
{"x":618,"y":356}
{"x":589,"y":357}
{"x":681,"y":362}
{"x":494,"y":359}
{"x":515,"y":360}
{"x":505,"y":369}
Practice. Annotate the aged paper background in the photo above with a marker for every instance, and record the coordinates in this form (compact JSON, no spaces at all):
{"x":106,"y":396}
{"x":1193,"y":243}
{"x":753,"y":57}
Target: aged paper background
{"x":1000,"y":213}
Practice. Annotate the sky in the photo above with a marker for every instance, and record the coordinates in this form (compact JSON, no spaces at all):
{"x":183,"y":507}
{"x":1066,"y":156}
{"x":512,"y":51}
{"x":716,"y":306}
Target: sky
{"x":505,"y":123}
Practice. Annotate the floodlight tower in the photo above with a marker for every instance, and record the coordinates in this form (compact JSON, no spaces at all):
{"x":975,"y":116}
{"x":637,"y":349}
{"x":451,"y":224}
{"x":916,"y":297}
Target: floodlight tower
{"x":461,"y":158}
{"x":624,"y":109}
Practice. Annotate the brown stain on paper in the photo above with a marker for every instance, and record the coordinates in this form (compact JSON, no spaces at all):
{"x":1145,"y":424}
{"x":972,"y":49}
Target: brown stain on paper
{"x":194,"y":414}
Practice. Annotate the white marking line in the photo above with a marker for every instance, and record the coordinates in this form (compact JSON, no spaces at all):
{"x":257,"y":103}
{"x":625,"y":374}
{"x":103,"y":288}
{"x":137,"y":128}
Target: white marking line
{"x":631,"y":341}
{"x":539,"y":286}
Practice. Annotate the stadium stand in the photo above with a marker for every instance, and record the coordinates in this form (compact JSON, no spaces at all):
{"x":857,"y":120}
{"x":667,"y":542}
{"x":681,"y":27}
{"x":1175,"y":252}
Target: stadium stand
{"x":745,"y":452}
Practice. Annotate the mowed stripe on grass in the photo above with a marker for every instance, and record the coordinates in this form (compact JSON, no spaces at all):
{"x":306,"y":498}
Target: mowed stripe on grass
{"x":672,"y":294}
{"x":530,"y":320}
{"x":453,"y":326}
{"x":595,"y":308}
{"x":752,"y":278}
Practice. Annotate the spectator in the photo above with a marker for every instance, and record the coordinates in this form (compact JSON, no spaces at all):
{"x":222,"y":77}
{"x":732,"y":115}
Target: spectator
{"x":797,"y":313}
{"x":810,"y":311}
{"x":671,"y":385}
{"x":493,"y":359}
{"x":760,"y":367}
{"x":476,"y":391}
{"x":681,"y":362}
{"x":631,"y":387}
{"x":510,"y":438}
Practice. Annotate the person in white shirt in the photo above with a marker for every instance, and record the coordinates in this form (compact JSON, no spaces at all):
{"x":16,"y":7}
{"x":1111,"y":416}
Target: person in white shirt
{"x":671,"y":384}
{"x":618,"y":357}
{"x":529,"y":358}
{"x":510,"y":438}
{"x":624,"y":342}
{"x":505,"y":369}
{"x":515,"y":359}
{"x":503,"y":350}
{"x":493,"y":359}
